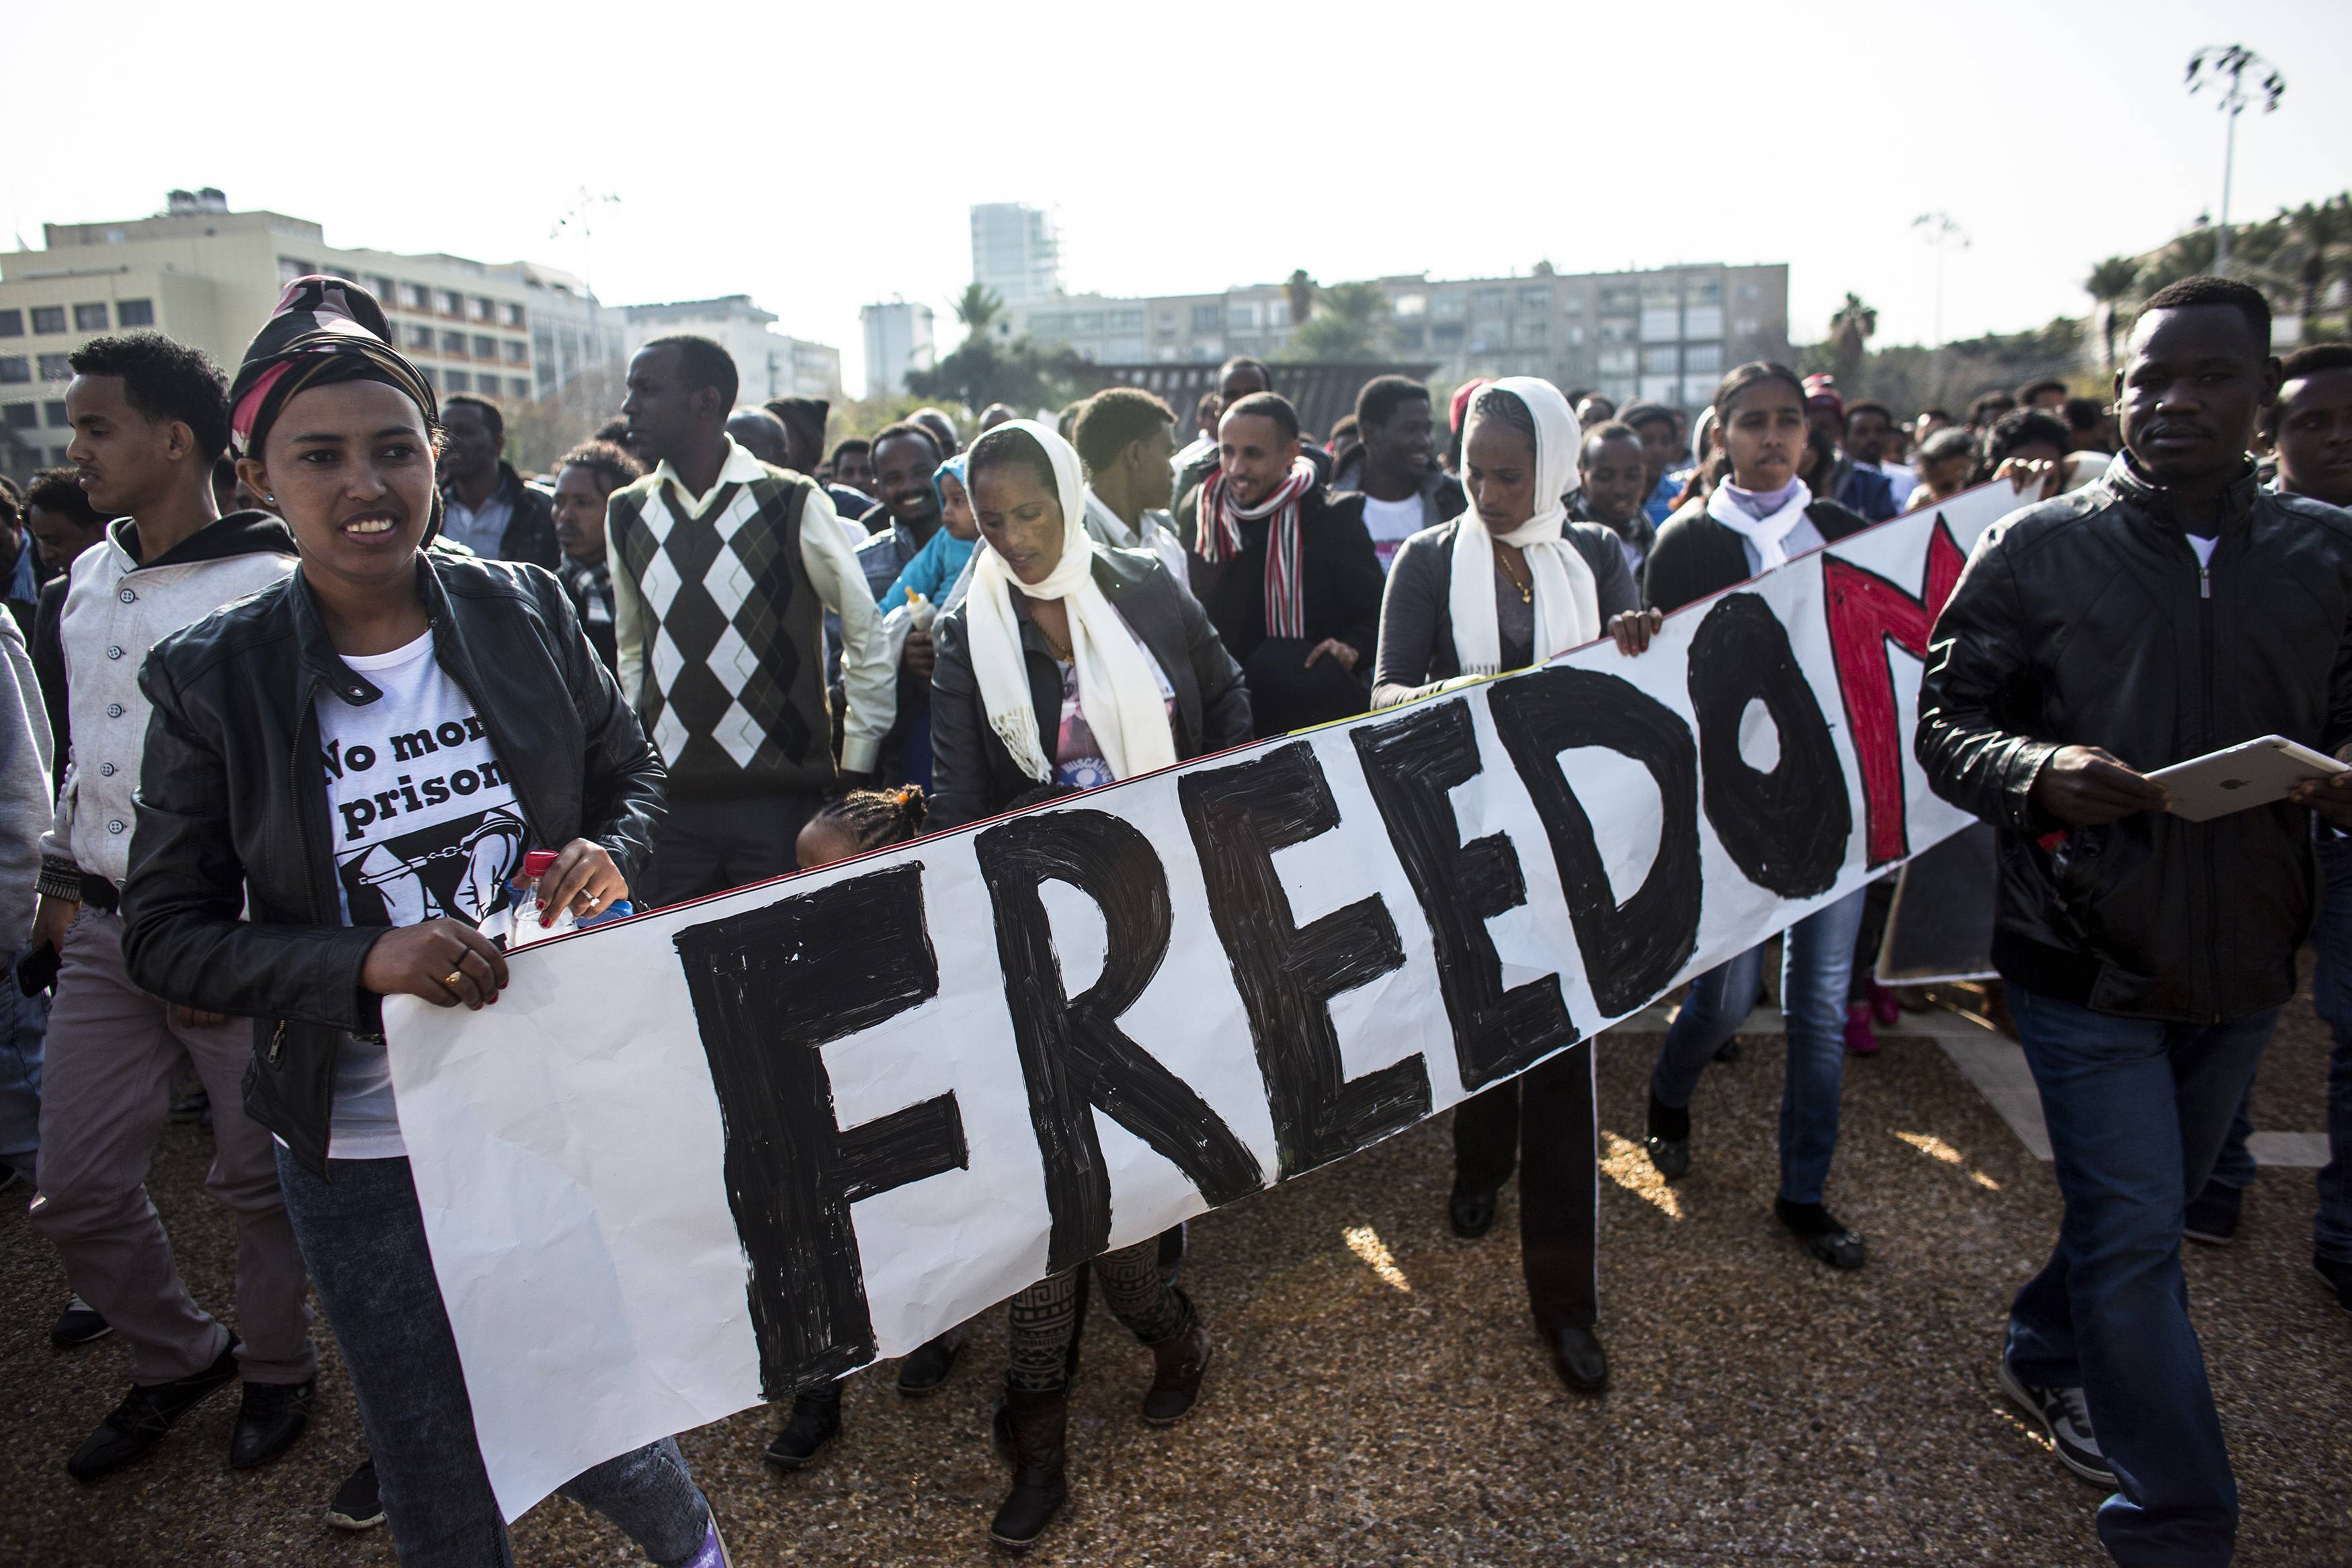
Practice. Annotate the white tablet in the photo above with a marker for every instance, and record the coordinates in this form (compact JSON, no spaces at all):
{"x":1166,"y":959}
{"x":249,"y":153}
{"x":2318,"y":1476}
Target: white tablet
{"x":2252,"y":773}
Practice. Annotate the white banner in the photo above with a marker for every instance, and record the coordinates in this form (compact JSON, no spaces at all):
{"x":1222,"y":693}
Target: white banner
{"x":717,"y":1152}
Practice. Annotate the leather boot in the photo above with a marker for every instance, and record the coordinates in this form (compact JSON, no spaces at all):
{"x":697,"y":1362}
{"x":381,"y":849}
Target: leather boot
{"x":1031,"y":1427}
{"x":1179,"y":1363}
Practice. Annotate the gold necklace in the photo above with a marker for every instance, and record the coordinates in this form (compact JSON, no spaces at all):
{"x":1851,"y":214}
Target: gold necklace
{"x":1526,"y":588}
{"x":1061,"y":650}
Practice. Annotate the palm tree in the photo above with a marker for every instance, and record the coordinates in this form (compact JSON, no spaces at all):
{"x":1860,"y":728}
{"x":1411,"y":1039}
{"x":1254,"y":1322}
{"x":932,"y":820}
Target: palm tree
{"x":979,"y":307}
{"x":1301,"y":291}
{"x":2109,"y":281}
{"x":1851,"y":329}
{"x":2321,"y":231}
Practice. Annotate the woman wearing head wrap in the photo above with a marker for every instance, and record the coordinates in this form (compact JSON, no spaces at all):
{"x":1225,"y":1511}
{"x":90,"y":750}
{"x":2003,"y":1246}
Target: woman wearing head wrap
{"x":1510,"y":583}
{"x":334,"y":754}
{"x":1068,"y":666}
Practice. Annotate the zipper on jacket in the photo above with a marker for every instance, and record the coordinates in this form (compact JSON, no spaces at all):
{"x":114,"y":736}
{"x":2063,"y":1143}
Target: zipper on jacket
{"x":532,"y":820}
{"x":2212,"y":900}
{"x":303,"y":711}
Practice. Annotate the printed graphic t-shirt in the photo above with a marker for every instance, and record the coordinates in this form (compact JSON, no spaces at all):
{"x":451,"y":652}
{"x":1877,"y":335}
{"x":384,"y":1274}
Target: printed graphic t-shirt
{"x":1390,"y":523}
{"x":425,"y":825}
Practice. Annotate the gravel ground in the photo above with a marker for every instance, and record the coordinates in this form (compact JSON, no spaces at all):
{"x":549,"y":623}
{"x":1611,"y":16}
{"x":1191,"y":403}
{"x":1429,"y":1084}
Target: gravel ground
{"x":1762,"y":1407}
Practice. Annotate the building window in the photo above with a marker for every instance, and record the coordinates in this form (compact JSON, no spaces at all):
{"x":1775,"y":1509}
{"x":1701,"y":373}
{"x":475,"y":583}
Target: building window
{"x":416,"y":296}
{"x":1617,"y":361}
{"x":134,"y":312}
{"x":1446,"y":335}
{"x":1748,"y":291}
{"x":1575,"y":336}
{"x":1408,"y":338}
{"x":1206,"y":317}
{"x":21,"y":415}
{"x":1411,"y":305}
{"x":1529,"y":330}
{"x":1659,"y":361}
{"x":1620,"y":296}
{"x":1703,"y":359}
{"x":420,"y":337}
{"x":1240,"y":314}
{"x":432,"y":377}
{"x":1277,"y":312}
{"x":1746,"y":326}
{"x":1126,"y":320}
{"x":449,"y":302}
{"x":1661,"y":323}
{"x":90,"y":317}
{"x":518,"y":352}
{"x":460,"y":381}
{"x":17,"y":369}
{"x":291,"y":268}
{"x":485,"y":346}
{"x":12,"y":323}
{"x":48,"y":318}
{"x":1702,"y":321}
{"x":53,"y":413}
{"x":519,"y":386}
{"x":385,"y":290}
{"x":454,"y":343}
{"x":485,"y":310}
{"x":1447,"y":306}
{"x":56,"y":368}
{"x":1618,"y":332}
{"x":1705,"y":291}
{"x":1087,"y":321}
{"x":513,"y":316}
{"x":1535,"y":297}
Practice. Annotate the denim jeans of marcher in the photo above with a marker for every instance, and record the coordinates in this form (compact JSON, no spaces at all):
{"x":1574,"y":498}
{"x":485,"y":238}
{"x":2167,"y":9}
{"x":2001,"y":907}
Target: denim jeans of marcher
{"x":1816,"y":968}
{"x":2331,"y":999}
{"x":363,"y":1239}
{"x":2137,"y":1109}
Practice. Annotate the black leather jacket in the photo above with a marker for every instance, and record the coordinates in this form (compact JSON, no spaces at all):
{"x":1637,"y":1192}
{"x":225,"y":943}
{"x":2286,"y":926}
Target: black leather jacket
{"x":232,"y":805}
{"x":2087,"y":620}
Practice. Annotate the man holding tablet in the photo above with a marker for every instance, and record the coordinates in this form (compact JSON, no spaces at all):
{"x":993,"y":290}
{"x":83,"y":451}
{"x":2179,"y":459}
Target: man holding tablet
{"x":2171,"y":610}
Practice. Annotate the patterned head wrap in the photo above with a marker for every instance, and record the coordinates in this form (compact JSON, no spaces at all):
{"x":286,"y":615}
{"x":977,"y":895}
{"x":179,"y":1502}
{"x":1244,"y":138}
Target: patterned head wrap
{"x":324,"y":330}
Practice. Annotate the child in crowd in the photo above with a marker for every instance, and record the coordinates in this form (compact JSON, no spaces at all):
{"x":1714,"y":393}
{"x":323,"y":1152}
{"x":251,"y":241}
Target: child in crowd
{"x":935,"y":566}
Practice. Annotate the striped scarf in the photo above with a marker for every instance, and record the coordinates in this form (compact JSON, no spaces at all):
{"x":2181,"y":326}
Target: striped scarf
{"x":1218,"y":537}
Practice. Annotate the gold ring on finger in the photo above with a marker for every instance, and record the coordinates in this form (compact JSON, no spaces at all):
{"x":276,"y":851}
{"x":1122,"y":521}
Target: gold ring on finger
{"x":452,"y":977}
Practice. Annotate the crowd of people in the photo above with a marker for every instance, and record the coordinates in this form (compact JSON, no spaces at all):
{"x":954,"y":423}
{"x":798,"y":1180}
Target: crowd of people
{"x":315,"y":700}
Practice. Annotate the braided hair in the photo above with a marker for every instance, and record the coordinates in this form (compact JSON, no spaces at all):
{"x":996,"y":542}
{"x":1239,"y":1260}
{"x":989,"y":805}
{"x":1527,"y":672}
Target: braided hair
{"x":877,"y":819}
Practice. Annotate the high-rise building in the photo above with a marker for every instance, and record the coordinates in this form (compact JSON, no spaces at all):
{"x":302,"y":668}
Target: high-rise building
{"x":210,"y":277}
{"x":1668,"y":334}
{"x":1017,"y":253}
{"x":897,"y":340}
{"x":768,"y":363}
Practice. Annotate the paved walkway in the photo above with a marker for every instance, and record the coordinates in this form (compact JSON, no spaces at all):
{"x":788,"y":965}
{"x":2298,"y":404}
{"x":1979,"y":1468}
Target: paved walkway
{"x":1379,"y":1396}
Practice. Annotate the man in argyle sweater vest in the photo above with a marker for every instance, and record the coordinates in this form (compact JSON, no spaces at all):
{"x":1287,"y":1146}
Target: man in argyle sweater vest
{"x":722,"y":570}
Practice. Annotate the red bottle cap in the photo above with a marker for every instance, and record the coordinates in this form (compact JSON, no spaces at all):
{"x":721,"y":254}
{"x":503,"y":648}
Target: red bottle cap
{"x":537,"y":863}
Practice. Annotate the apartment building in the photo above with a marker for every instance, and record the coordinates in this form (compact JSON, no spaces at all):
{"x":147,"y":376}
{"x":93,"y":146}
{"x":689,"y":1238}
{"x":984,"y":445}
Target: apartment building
{"x":768,"y":363}
{"x":1017,"y":252}
{"x":208,"y":275}
{"x":897,"y":340}
{"x":1668,"y":334}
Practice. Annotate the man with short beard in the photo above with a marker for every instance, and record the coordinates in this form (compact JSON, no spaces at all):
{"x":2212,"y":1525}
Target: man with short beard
{"x":1304,"y":633}
{"x":486,"y":506}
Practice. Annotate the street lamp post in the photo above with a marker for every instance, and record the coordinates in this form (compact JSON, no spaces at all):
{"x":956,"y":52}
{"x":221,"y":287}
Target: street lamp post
{"x":2209,"y":66}
{"x":1941,"y":234}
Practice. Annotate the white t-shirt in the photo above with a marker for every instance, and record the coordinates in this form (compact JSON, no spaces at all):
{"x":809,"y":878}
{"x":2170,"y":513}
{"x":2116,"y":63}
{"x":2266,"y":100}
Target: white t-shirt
{"x":424,"y":824}
{"x":1390,"y":523}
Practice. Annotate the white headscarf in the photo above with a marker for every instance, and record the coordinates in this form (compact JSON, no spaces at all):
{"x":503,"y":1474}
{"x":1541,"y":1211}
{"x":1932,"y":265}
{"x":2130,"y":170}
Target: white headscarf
{"x":1121,"y":695}
{"x":1567,"y":601}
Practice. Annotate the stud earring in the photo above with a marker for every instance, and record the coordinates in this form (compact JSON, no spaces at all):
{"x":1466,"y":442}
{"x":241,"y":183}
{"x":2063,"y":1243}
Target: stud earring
{"x":271,"y":499}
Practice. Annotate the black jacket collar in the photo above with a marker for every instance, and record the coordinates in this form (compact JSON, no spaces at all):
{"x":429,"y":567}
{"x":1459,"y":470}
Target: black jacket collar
{"x":2161,"y":503}
{"x":317,"y":649}
{"x":251,"y":532}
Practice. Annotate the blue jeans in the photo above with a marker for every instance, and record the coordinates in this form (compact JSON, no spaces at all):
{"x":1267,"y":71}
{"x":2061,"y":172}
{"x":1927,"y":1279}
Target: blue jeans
{"x":2137,"y":1109}
{"x":2331,"y":999}
{"x":24,"y":1022}
{"x":1816,"y":968}
{"x":363,"y":1239}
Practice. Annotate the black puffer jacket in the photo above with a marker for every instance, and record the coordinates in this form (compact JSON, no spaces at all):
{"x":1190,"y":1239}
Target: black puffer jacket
{"x":233,"y":804}
{"x":2086,"y":620}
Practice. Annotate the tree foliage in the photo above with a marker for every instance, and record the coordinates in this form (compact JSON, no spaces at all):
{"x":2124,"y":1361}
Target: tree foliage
{"x":983,"y":371}
{"x":1351,"y":324}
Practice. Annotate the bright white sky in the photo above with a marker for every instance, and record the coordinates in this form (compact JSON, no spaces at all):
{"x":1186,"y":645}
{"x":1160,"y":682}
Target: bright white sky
{"x":822,"y":157}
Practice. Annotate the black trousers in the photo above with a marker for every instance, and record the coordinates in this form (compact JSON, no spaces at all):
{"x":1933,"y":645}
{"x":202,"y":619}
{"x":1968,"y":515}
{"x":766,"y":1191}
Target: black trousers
{"x":703,"y":846}
{"x":1542,"y":1122}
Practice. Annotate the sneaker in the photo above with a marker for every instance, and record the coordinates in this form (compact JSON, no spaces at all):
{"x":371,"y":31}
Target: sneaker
{"x":356,"y":1505}
{"x":2211,"y":1216}
{"x":714,"y":1550}
{"x":2067,"y":1420}
{"x":2337,"y":1274}
{"x":271,"y":1417}
{"x":77,"y":1325}
{"x":1860,"y":1039}
{"x":145,"y":1414}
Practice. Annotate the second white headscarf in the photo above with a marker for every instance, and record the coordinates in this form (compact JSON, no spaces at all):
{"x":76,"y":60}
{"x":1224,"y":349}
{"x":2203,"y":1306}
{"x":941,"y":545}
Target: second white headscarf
{"x":1116,"y":686}
{"x":1566,"y":600}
